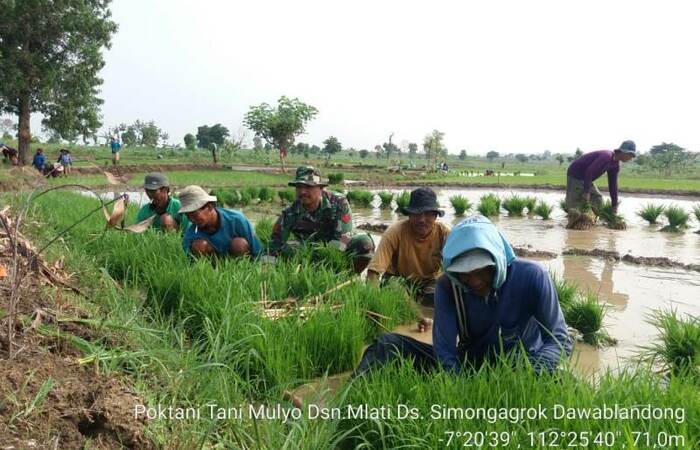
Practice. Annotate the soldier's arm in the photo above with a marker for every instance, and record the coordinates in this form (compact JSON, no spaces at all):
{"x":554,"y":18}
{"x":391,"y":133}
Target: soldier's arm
{"x":343,"y":226}
{"x":280,"y":234}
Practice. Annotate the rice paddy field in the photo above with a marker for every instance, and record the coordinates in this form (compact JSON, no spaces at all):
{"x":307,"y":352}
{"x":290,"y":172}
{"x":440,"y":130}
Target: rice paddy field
{"x":223,"y":344}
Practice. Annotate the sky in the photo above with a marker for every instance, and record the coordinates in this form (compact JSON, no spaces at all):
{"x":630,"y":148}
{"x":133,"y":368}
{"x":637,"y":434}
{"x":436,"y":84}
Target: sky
{"x":509,"y":76}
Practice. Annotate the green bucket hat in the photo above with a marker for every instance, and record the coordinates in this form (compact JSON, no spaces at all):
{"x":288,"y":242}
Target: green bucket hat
{"x":309,"y":176}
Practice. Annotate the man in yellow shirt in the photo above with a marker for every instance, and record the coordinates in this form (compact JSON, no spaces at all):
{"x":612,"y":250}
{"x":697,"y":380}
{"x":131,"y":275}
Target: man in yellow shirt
{"x":412,"y":248}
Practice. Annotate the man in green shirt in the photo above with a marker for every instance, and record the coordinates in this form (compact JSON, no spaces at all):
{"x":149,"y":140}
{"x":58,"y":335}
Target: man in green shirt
{"x":162,"y":205}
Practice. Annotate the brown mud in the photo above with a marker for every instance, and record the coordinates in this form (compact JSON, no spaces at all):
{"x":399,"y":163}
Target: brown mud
{"x":612,"y":255}
{"x":82,"y":407}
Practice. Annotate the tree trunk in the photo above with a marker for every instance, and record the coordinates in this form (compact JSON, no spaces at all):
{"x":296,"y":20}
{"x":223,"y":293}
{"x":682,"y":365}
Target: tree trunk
{"x":283,"y":157}
{"x":25,"y":136}
{"x":213,"y":155}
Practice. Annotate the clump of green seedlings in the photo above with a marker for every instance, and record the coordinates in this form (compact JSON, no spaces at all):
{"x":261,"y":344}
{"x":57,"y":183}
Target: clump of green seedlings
{"x":461,"y":204}
{"x":224,"y":197}
{"x":543,"y":210}
{"x":651,"y":212}
{"x":403,"y":199}
{"x":336,"y":178}
{"x":515,"y":205}
{"x":677,"y":219}
{"x":530,"y":204}
{"x":385,"y":198}
{"x":244,"y":198}
{"x":252,"y":191}
{"x":287,"y":195}
{"x":266,"y":194}
{"x":361,"y":198}
{"x":696,"y":211}
{"x":582,"y":311}
{"x":263,"y":229}
{"x":612,"y":219}
{"x":489,"y":205}
{"x":678,"y":348}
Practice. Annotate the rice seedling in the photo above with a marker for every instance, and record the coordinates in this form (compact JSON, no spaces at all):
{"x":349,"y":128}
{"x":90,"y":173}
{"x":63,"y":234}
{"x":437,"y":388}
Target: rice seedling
{"x":677,"y":219}
{"x":582,"y":218}
{"x":336,"y":178}
{"x":678,"y":348}
{"x":543,"y":210}
{"x":266,"y":194}
{"x":386,"y":198}
{"x":530,"y":204}
{"x":612,"y":219}
{"x":650,"y":212}
{"x":361,"y":198}
{"x":515,"y":205}
{"x":252,"y":191}
{"x":586,"y":315}
{"x":244,"y":198}
{"x":403,"y":199}
{"x":263,"y":229}
{"x":489,"y":205}
{"x":287,"y":195}
{"x":460,"y":204}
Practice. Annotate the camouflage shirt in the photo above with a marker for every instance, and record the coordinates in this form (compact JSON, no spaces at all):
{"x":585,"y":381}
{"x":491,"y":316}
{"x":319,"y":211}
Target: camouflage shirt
{"x":332,"y":221}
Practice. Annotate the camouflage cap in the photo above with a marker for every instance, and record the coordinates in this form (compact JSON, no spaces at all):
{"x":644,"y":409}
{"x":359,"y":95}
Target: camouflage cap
{"x":309,"y":176}
{"x":361,"y":246}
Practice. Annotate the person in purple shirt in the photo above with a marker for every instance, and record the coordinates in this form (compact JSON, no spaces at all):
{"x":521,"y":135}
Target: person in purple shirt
{"x":589,"y":167}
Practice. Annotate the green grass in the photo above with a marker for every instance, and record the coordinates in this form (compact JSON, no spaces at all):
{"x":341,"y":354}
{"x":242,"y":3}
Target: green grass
{"x":582,"y":311}
{"x":489,"y":205}
{"x":515,"y":205}
{"x":460,"y":204}
{"x":543,"y":210}
{"x":385,"y":197}
{"x":678,"y":348}
{"x":651,"y":212}
{"x":677,"y":219}
{"x":361,"y":198}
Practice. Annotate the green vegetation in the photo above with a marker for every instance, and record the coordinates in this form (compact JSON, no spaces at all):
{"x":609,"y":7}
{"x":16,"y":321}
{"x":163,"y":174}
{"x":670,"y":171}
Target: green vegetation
{"x":612,"y":219}
{"x":677,"y":219}
{"x":266,"y":194}
{"x":361,"y":198}
{"x":678,"y":349}
{"x":336,"y":178}
{"x":650,"y":212}
{"x":386,"y":198}
{"x":696,"y":211}
{"x":530,"y":203}
{"x":287,"y":195}
{"x":489,"y":205}
{"x":515,"y":205}
{"x":543,"y":210}
{"x":460,"y":204}
{"x":582,"y":311}
{"x":403,"y":199}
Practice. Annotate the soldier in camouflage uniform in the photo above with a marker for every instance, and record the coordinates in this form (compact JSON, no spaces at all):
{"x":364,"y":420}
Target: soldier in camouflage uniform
{"x":318,"y":215}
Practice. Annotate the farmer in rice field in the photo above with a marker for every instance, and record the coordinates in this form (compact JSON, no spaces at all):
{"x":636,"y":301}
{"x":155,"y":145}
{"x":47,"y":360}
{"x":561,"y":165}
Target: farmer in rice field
{"x":39,"y":160}
{"x":318,"y":215}
{"x":215,"y":231}
{"x":116,"y":147}
{"x":486,"y":301}
{"x":588,"y":168}
{"x":162,"y":205}
{"x":412,"y":248}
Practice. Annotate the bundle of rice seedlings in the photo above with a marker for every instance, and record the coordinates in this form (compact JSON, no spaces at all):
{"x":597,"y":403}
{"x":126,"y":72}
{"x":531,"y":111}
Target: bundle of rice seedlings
{"x":252,"y":191}
{"x":224,"y":197}
{"x":403,"y":199}
{"x":543,"y":210}
{"x":361,"y":198}
{"x":460,"y":204}
{"x":677,"y":219}
{"x":586,"y":315}
{"x":336,"y":178}
{"x":287,"y":195}
{"x":650,"y":212}
{"x":515,"y":205}
{"x":580,"y":218}
{"x":489,"y":205}
{"x":530,"y":204}
{"x":386,"y":197}
{"x":678,"y":347}
{"x":612,"y":219}
{"x":266,"y":194}
{"x":263,"y":229}
{"x":244,"y":198}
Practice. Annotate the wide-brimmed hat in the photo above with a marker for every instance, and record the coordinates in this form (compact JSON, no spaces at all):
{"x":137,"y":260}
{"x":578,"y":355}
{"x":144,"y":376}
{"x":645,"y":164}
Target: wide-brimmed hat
{"x":309,"y":176}
{"x":192,"y":198}
{"x":422,"y":200}
{"x":155,"y":180}
{"x":628,"y":147}
{"x":471,"y":261}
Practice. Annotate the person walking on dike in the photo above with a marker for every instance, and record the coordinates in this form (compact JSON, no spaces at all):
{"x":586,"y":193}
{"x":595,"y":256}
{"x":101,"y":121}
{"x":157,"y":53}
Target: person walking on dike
{"x":215,"y":231}
{"x":162,"y":205}
{"x":116,"y":148}
{"x":412,"y":248}
{"x":487,"y":301}
{"x":318,"y":215}
{"x":588,"y":168}
{"x":39,"y":160}
{"x":66,"y":161}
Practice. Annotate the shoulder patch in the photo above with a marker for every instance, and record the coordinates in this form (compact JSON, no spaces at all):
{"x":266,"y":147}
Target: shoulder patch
{"x":346,"y":218}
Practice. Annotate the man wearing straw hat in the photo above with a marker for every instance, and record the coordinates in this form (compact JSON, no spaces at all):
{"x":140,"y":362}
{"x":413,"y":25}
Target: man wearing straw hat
{"x":215,"y":231}
{"x":412,"y":248}
{"x":318,"y":215}
{"x":162,"y":205}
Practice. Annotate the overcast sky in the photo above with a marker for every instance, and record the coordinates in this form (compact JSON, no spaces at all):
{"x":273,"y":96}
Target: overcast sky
{"x":510,"y":76}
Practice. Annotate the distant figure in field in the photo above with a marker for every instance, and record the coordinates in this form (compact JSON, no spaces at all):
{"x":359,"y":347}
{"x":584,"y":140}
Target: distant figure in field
{"x":162,"y":205}
{"x":215,"y":231}
{"x":116,"y":148}
{"x":39,"y":161}
{"x":588,"y":168}
{"x":66,"y":161}
{"x":9,"y":154}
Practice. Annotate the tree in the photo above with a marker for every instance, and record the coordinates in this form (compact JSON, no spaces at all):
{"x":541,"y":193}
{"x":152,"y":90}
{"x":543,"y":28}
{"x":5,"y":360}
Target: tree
{"x":412,"y":149}
{"x":521,"y":157}
{"x":207,"y":135}
{"x":492,"y":155}
{"x":190,"y":141}
{"x":51,"y":56}
{"x":280,"y":126}
{"x":559,"y":158}
{"x":378,"y":151}
{"x":364,"y":153}
{"x":331,"y":146}
{"x":6,"y":125}
{"x":463,"y":155}
{"x":433,"y":147}
{"x":670,"y":157}
{"x":257,"y":144}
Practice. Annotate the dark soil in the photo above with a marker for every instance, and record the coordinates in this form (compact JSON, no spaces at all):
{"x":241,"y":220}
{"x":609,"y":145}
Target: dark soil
{"x":529,"y":252}
{"x":631,"y":259}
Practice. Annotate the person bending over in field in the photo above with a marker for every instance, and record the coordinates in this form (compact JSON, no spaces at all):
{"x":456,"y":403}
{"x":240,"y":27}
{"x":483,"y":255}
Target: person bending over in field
{"x":318,"y":215}
{"x":162,"y":205}
{"x":486,"y":301}
{"x":215,"y":231}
